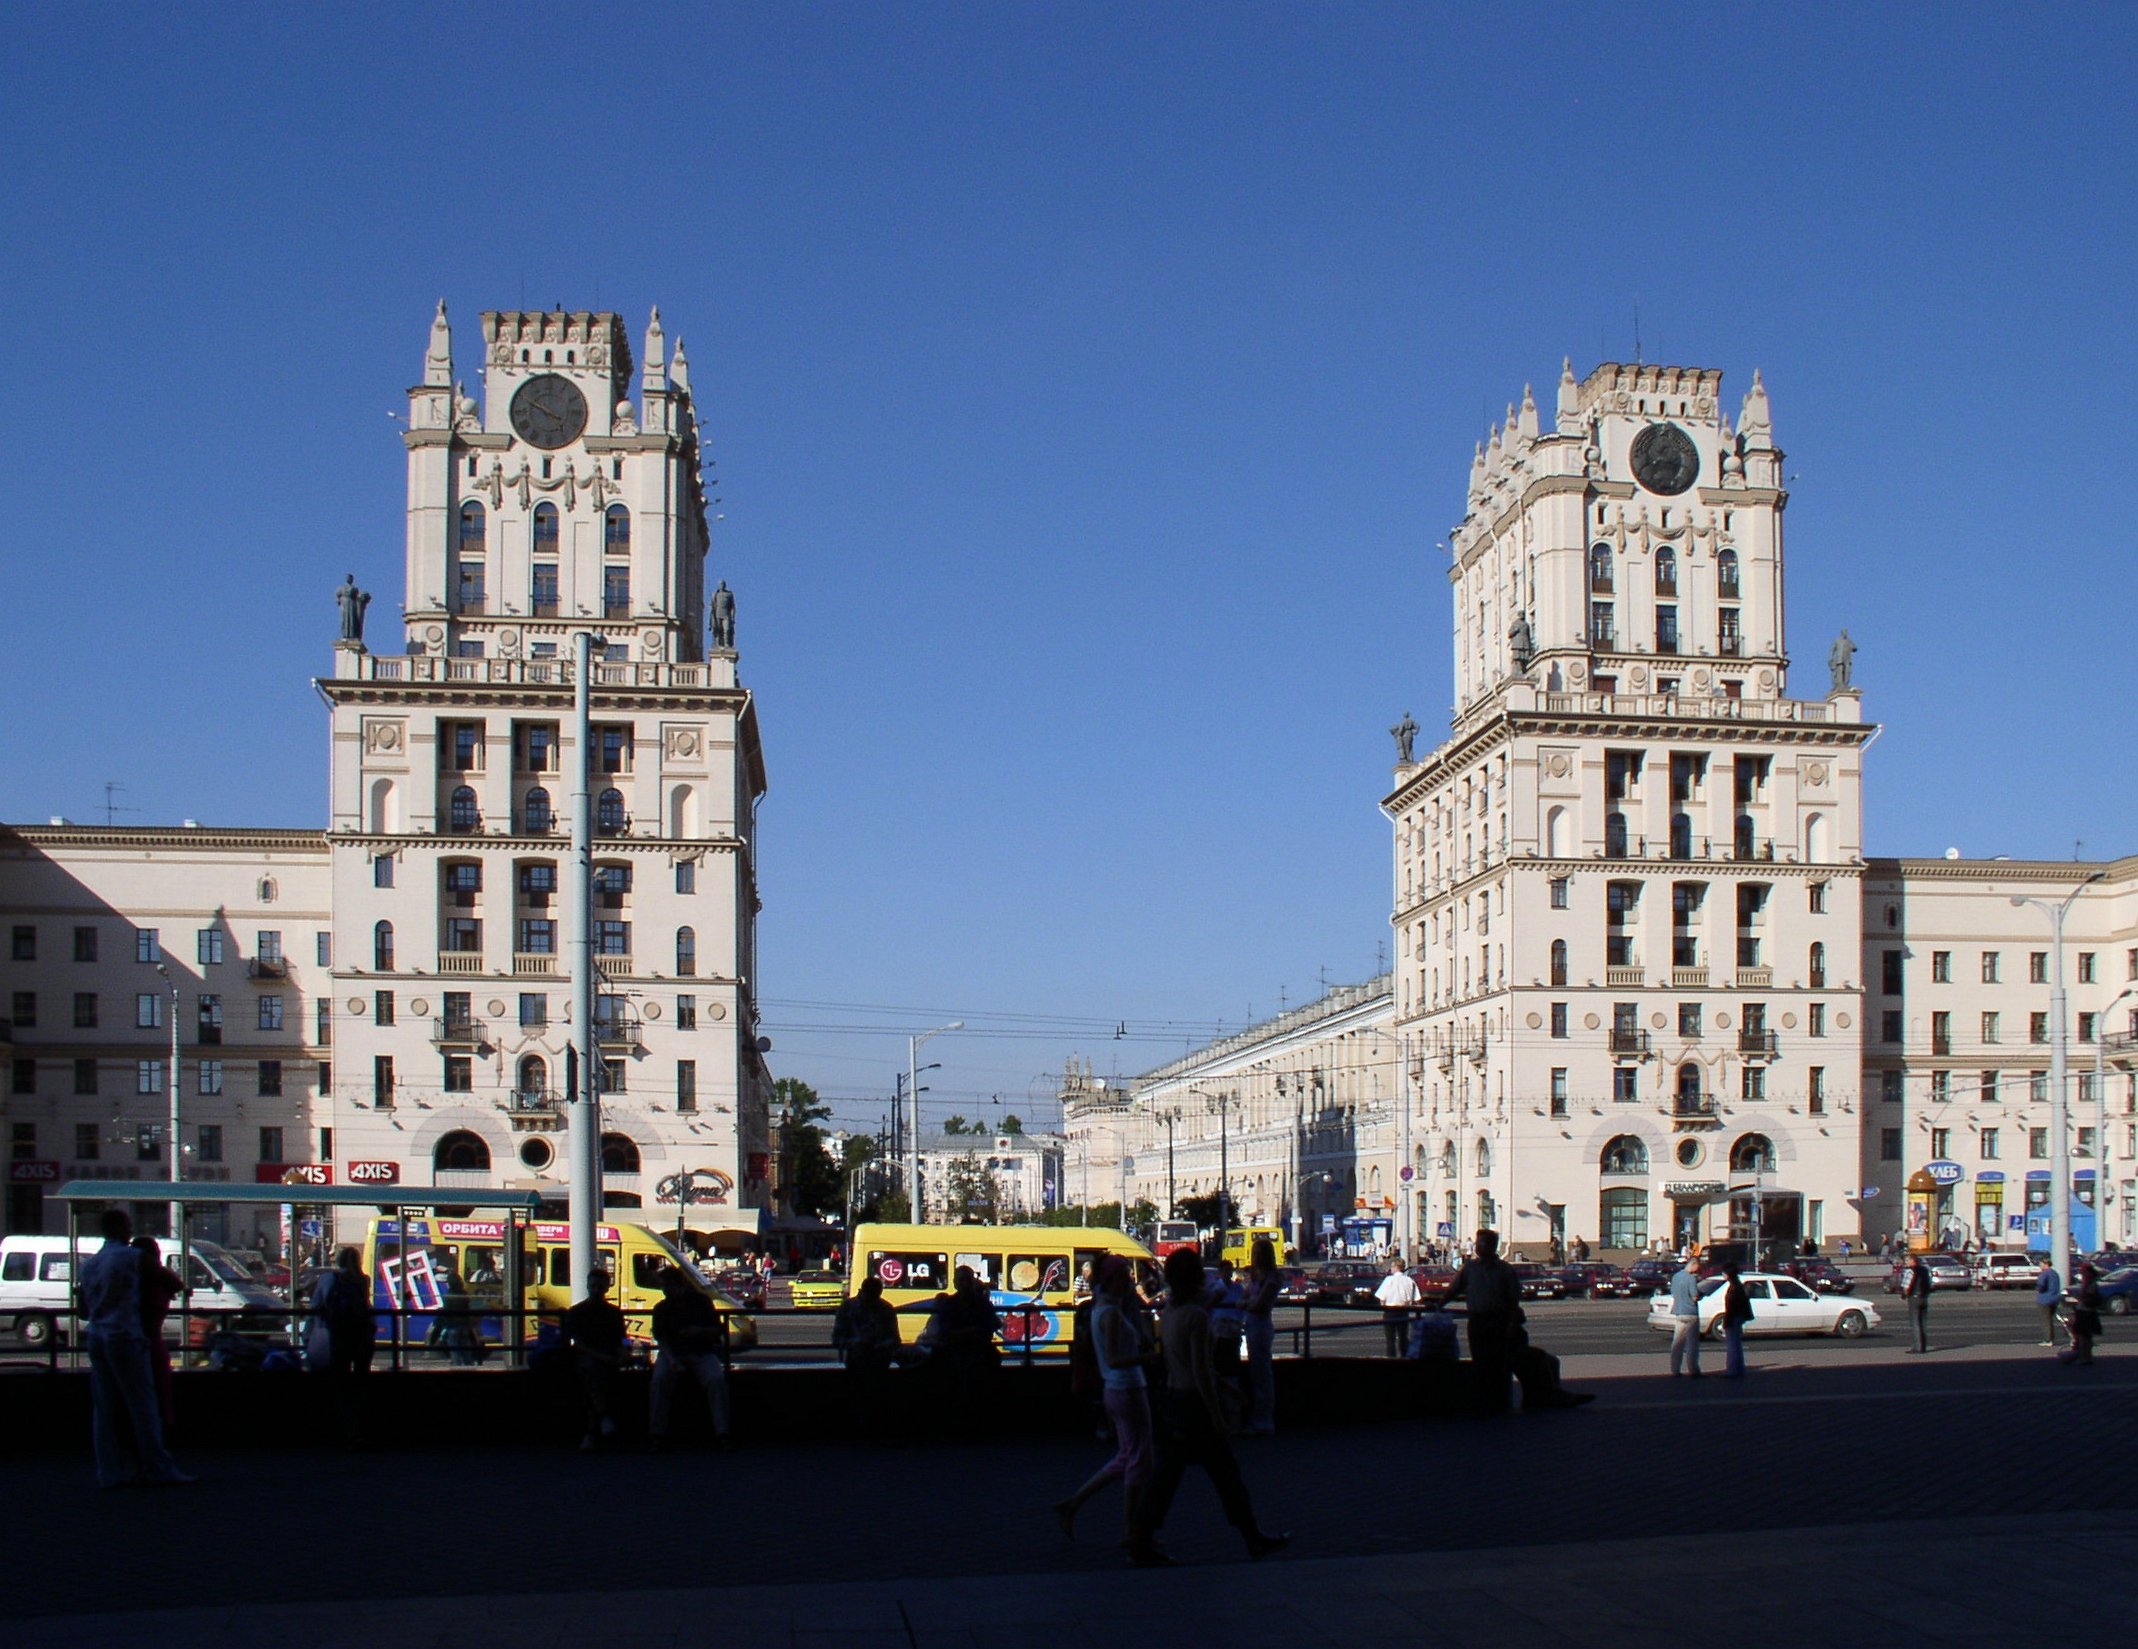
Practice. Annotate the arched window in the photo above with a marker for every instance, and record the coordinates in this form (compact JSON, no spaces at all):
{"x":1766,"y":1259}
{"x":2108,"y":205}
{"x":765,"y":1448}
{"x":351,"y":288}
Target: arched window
{"x":536,"y":810}
{"x":1815,"y":838}
{"x":267,"y":890}
{"x":1689,"y":1100}
{"x":616,"y":530}
{"x":1614,"y":835}
{"x":618,"y":1154}
{"x":1625,"y":1155}
{"x":686,"y":953}
{"x":1600,"y":567}
{"x":1555,"y":833}
{"x":1558,"y":961}
{"x":534,"y":1079}
{"x":1447,"y":1160}
{"x":385,"y":808}
{"x":1753,"y":1154}
{"x":461,"y":1152}
{"x":462,"y":814}
{"x":1681,"y":835}
{"x":1818,"y":966}
{"x":382,"y":948}
{"x":1484,"y":1159}
{"x":1666,"y":571}
{"x":609,"y":813}
{"x":545,"y":529}
{"x":474,"y":528}
{"x":1726,"y":585}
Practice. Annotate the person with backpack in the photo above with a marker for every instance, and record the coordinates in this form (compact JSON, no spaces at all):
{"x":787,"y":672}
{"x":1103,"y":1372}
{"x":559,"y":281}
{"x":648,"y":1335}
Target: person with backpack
{"x":343,"y":1336}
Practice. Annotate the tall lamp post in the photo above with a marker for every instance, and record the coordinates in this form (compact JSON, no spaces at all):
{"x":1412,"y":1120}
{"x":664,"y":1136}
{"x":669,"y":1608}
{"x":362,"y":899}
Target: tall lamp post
{"x":178,"y":1157}
{"x":913,"y":1071}
{"x":2100,"y":1104}
{"x":2059,"y":1061}
{"x":1223,"y":1103}
{"x":1169,"y":1117}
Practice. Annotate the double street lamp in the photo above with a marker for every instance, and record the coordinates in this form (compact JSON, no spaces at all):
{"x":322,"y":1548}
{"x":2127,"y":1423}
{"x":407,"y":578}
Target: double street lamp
{"x":2059,"y":1070}
{"x":913,"y":1093}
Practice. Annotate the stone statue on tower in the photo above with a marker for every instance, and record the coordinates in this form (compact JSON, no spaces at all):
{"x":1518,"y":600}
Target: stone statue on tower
{"x":352,"y":603}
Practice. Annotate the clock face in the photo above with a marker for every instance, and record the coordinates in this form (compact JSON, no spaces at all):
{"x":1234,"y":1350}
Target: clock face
{"x":1665,"y":460}
{"x":548,"y":411}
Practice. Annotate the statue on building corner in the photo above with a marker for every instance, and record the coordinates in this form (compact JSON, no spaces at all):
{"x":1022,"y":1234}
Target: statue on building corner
{"x":724,"y":616}
{"x":1405,"y":733}
{"x":1840,"y":660}
{"x":352,"y":603}
{"x":1521,"y":642}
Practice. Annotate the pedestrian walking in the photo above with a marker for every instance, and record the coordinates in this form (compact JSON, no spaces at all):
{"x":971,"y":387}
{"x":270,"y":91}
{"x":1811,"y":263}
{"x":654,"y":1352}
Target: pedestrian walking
{"x":1917,"y":1294}
{"x":342,"y":1336}
{"x":1398,"y":1293}
{"x":692,"y":1344}
{"x":1192,"y":1422}
{"x":1736,"y":1313}
{"x":1685,"y":1322}
{"x":2085,"y":1320}
{"x":126,"y":1429}
{"x":1262,"y":1291}
{"x":2048,"y":1291}
{"x":160,"y":1285}
{"x":1124,"y":1343}
{"x":595,"y":1329}
{"x":1487,"y":1285}
{"x":1227,"y":1303}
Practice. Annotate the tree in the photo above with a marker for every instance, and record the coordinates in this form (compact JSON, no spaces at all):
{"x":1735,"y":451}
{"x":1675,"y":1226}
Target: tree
{"x":969,"y":1189}
{"x":954,"y":1125}
{"x":1013,"y":1124}
{"x":811,"y":1179}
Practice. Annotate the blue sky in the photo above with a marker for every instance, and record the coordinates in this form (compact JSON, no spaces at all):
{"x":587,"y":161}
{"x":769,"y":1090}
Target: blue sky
{"x":1090,"y":386}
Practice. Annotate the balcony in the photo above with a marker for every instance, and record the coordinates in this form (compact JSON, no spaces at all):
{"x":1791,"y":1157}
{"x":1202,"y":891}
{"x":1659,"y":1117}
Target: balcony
{"x":460,"y":963}
{"x":1756,"y":1044}
{"x":1688,"y":978}
{"x":455,"y":1032}
{"x":267,"y":967}
{"x":621,"y":1031}
{"x":1629,"y":1044}
{"x":535,"y":1109}
{"x":616,"y":966}
{"x":1695,"y":1113}
{"x":1625,"y":978}
{"x":1755,"y":979}
{"x":541,"y":964}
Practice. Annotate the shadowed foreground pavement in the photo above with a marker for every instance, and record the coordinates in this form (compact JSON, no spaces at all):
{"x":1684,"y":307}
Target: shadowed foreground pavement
{"x":1954,"y":1498}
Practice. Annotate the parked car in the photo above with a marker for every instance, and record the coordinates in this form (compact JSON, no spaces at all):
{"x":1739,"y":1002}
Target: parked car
{"x":1539,"y":1282}
{"x":2119,"y":1291}
{"x":1780,"y":1305}
{"x":1295,"y":1285}
{"x":1433,"y":1281}
{"x":1353,"y":1282}
{"x":1651,"y":1276}
{"x":1820,"y":1273}
{"x":2112,"y":1259}
{"x":818,"y":1291}
{"x":1597,"y":1280}
{"x":2005,"y":1270}
{"x":1946,"y":1271}
{"x":742,"y":1284}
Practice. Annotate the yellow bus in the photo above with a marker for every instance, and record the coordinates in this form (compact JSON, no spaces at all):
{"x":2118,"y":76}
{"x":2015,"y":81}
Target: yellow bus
{"x":412,"y":1274}
{"x":1239,"y":1245}
{"x":1047,"y":1267}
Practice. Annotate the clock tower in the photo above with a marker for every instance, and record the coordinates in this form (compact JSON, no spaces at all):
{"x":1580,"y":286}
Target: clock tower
{"x":563,"y":501}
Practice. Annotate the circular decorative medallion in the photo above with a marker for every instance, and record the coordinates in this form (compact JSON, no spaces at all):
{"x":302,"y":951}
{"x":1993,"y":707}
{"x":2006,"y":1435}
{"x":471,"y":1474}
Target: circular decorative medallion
{"x":1766,"y":678}
{"x":1700,"y":679}
{"x":1665,"y":460}
{"x":497,"y":1007}
{"x":356,"y":1006}
{"x":1722,"y":1021}
{"x":652,"y":1010}
{"x":1690,"y":1152}
{"x":1560,"y":767}
{"x":1789,"y":1021}
{"x":1659,"y":1020}
{"x":716,"y":1010}
{"x":1590,"y":1022}
{"x":1577,"y":673}
{"x":419,"y":1007}
{"x":1841,"y":1020}
{"x":1640,"y":675}
{"x":1535,"y":1021}
{"x":434,"y":634}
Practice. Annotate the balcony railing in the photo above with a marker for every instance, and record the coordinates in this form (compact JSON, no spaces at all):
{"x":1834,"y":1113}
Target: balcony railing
{"x":453,"y":1031}
{"x":534,"y":1102}
{"x":616,"y":965}
{"x":1624,"y":978}
{"x":1755,"y":979}
{"x":267,"y":967}
{"x":1756,"y":1044}
{"x":460,"y":963}
{"x":1694,"y":1112}
{"x":622,"y":1031}
{"x":1627,"y":1044}
{"x":542,"y":964}
{"x":1688,"y":978}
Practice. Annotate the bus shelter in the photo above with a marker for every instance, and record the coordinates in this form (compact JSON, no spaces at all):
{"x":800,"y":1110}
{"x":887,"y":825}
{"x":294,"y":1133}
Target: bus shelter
{"x":513,"y":1210}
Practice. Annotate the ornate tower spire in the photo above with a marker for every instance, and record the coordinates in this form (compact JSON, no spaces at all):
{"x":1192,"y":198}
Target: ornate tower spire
{"x":438,"y":359}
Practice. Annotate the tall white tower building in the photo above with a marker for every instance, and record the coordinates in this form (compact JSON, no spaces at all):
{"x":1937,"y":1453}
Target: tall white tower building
{"x":556,"y":505}
{"x":1628,"y":886}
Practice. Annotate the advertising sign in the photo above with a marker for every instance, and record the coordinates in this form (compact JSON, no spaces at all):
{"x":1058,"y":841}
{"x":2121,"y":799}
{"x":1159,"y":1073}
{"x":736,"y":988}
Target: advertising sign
{"x":31,"y":1172}
{"x":374,"y":1173}
{"x":293,"y":1173}
{"x":1945,"y":1173}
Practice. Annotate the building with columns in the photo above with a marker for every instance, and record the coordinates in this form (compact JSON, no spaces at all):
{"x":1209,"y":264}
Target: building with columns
{"x":563,"y":500}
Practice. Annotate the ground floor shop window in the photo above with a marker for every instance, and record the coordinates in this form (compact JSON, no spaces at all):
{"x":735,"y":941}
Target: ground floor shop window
{"x":1624,"y":1220}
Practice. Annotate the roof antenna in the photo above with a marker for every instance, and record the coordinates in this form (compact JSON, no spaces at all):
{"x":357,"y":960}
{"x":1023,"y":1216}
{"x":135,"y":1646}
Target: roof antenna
{"x":1636,"y":332}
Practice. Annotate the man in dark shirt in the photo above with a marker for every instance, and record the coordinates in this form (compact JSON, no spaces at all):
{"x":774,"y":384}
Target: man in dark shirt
{"x":1488,"y":1285}
{"x":596,"y":1331}
{"x":691,"y":1338}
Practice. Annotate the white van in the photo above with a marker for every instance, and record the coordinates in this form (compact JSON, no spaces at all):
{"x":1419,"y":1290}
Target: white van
{"x":2006,"y":1270}
{"x":37,"y":1284}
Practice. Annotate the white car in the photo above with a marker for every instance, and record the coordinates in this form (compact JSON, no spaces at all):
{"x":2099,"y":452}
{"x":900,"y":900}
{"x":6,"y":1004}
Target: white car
{"x":1780,"y":1305}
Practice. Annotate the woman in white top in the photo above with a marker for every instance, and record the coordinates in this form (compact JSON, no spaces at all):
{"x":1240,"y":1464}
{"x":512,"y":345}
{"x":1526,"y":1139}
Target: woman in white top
{"x":1122,"y":1339}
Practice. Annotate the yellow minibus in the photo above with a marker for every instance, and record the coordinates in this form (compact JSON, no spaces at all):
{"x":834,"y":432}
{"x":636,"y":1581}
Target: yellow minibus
{"x":1034,"y":1274}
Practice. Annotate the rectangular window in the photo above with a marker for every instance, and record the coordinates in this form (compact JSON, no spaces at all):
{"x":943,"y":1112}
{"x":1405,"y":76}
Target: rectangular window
{"x":1940,"y":1087}
{"x":1559,"y":1020}
{"x":1561,"y":892}
{"x":2038,"y":1087}
{"x":1625,"y":1084}
{"x":1890,"y":978}
{"x":87,"y":1142}
{"x":1987,"y":1144}
{"x":1941,"y":967}
{"x":2038,"y":967}
{"x":1818,"y":898}
{"x":612,"y":938}
{"x":543,"y":590}
{"x":326,"y":1145}
{"x":1889,"y":1027}
{"x":2037,"y":1143}
{"x":208,"y":946}
{"x":267,"y":946}
{"x":612,"y":1075}
{"x":1603,"y":629}
{"x":323,"y":944}
{"x":1941,"y":1033}
{"x":148,"y":1076}
{"x":323,"y":1022}
{"x":1941,"y":1142}
{"x":324,"y":1075}
{"x":1889,"y":1145}
{"x":23,"y":1076}
{"x":1989,"y":967}
{"x":25,"y":944}
{"x":613,"y":749}
{"x":85,"y":944}
{"x":25,"y":1010}
{"x":1815,"y":1094}
{"x":534,"y":1010}
{"x":1815,"y":1019}
{"x":210,"y":1073}
{"x":210,"y":1028}
{"x":382,"y":1007}
{"x":686,"y":1085}
{"x":616,"y":592}
{"x":1890,"y":1087}
{"x":1987,"y":1090}
{"x":85,"y":1076}
{"x":2037,"y":1027}
{"x":382,"y":1081}
{"x":147,"y":1146}
{"x":270,"y":1013}
{"x":148,"y":1010}
{"x":687,"y":876}
{"x":270,"y":1079}
{"x":459,"y":1074}
{"x":1989,"y":1027}
{"x":271,"y":1145}
{"x":538,"y":936}
{"x":2087,"y":1024}
{"x":2086,"y":967}
{"x":1754,"y":1081}
{"x":208,"y":1142}
{"x":147,"y":946}
{"x":1558,"y":1090}
{"x":686,"y":1013}
{"x":382,"y":870}
{"x":463,"y":934}
{"x":1666,"y":629}
{"x":538,"y":884}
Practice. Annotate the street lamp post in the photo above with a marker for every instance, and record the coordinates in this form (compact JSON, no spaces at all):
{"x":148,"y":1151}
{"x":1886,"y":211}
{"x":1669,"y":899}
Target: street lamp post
{"x":913,"y":1055}
{"x":2100,"y":1104}
{"x":1222,"y":1104}
{"x":178,"y":1161}
{"x":2059,"y":1071}
{"x":1169,"y":1118}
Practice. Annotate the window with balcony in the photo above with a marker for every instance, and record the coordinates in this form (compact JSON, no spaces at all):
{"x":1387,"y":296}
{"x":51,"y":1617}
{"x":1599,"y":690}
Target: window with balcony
{"x":1666,"y":629}
{"x":463,"y":816}
{"x":546,"y":536}
{"x":616,"y":531}
{"x":609,"y":813}
{"x":1603,"y":626}
{"x":542,"y":589}
{"x":616,"y":592}
{"x":1622,"y":903}
{"x":612,"y":885}
{"x":1686,"y":902}
{"x":1666,"y":571}
{"x":612,"y":938}
{"x":535,"y":816}
{"x":1691,"y":1096}
{"x":1615,"y":838}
